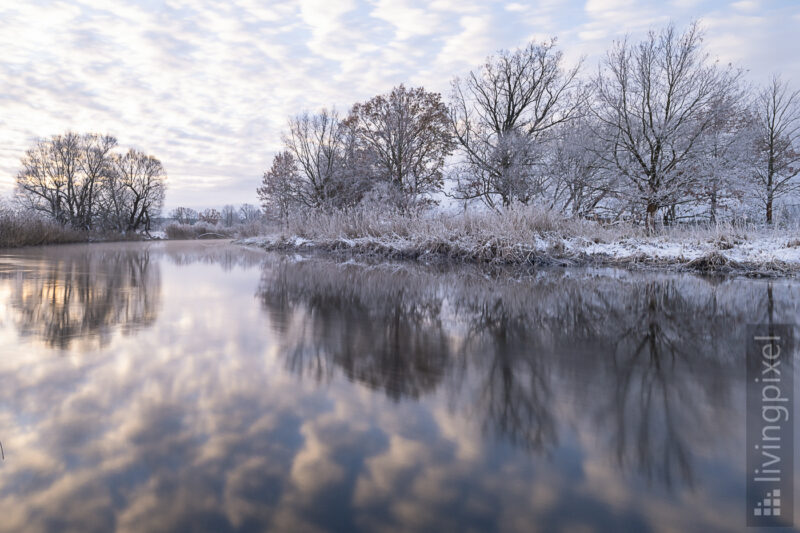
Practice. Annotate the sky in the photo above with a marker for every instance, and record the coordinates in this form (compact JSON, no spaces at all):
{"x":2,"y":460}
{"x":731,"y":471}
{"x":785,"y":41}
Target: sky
{"x":208,"y":86}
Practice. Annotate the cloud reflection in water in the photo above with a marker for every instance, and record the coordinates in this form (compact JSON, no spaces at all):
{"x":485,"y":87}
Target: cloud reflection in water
{"x":351,"y":397}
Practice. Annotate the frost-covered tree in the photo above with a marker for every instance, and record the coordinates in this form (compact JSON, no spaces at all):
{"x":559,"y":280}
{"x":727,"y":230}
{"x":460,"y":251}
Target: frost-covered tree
{"x":725,"y":152}
{"x":229,"y":215}
{"x":210,"y":216}
{"x":653,"y":100}
{"x":408,"y":133}
{"x":777,"y":143}
{"x":502,"y":113}
{"x":249,"y":213}
{"x":577,"y":181}
{"x":184,"y":215}
{"x":281,"y":187}
{"x":317,"y":144}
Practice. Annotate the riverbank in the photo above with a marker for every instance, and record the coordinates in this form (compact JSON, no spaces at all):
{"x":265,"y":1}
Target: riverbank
{"x":17,"y":231}
{"x":534,"y":238}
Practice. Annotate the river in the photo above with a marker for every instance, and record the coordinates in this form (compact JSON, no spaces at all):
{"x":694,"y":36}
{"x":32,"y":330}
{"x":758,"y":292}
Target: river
{"x":204,"y":386}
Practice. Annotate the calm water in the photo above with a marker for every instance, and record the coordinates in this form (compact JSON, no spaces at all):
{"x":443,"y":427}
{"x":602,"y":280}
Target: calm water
{"x":207,"y":387}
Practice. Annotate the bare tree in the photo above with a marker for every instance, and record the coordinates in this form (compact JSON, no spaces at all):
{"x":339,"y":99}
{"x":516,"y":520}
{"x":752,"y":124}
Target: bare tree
{"x":95,"y":166}
{"x":777,"y":114}
{"x":51,"y":181}
{"x":726,"y":150}
{"x":78,"y":180}
{"x":184,"y":215}
{"x":576,"y":180}
{"x":653,"y":101}
{"x":229,"y":215}
{"x":503,"y":112}
{"x":210,"y":216}
{"x":281,"y":187}
{"x":315,"y":142}
{"x":408,"y":131}
{"x":249,"y":213}
{"x":139,"y":191}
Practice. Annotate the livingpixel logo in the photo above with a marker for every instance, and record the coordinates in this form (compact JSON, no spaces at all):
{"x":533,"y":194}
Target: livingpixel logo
{"x":770,"y":425}
{"x":770,"y":505}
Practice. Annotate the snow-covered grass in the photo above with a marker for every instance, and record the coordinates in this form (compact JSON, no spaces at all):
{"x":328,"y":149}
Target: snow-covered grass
{"x":21,"y":229}
{"x":529,"y":235}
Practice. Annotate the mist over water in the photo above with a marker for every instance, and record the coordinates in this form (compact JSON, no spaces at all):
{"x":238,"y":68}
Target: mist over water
{"x":194,"y":386}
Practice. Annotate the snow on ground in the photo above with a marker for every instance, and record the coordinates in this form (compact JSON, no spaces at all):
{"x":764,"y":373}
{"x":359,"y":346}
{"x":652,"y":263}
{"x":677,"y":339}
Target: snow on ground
{"x":630,"y":248}
{"x":759,"y":253}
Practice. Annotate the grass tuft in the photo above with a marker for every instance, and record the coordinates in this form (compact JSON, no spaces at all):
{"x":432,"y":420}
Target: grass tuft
{"x":17,"y":230}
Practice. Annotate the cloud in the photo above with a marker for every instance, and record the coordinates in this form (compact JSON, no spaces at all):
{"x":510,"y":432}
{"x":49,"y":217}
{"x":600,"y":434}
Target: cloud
{"x":604,"y":6}
{"x":207,"y":86}
{"x":747,"y":5}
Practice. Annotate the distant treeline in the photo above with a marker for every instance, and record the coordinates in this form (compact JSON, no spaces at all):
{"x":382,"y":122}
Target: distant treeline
{"x":229,"y":216}
{"x":187,"y":223}
{"x":660,"y":132}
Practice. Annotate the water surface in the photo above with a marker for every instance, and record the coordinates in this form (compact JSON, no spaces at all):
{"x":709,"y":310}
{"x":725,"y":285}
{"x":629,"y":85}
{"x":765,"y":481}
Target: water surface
{"x":194,"y":386}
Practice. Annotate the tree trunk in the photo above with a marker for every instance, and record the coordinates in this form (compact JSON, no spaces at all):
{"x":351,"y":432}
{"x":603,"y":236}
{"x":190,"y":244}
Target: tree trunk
{"x":770,"y":181}
{"x":769,"y":207}
{"x":713,"y":212}
{"x":670,"y":215}
{"x":651,"y":217}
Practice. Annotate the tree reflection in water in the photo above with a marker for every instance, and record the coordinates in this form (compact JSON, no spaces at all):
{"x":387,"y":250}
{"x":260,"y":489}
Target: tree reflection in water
{"x":83,"y":297}
{"x":394,"y":342}
{"x":183,"y":253}
{"x":82,"y":294}
{"x":608,"y":401}
{"x":654,"y":358}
